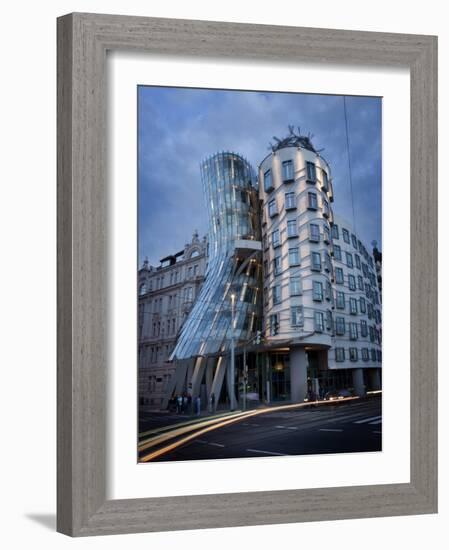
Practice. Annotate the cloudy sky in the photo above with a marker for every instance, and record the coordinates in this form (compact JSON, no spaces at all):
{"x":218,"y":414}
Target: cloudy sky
{"x":179,"y":127}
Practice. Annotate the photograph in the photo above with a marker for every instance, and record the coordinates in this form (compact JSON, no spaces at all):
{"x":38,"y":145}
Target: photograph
{"x":259,"y":276}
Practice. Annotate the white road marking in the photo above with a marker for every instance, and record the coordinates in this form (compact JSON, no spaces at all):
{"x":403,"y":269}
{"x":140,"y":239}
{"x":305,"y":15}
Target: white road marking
{"x":376,"y":432}
{"x":376,"y":422}
{"x":329,"y":430}
{"x":265,"y":452}
{"x":292,"y":428}
{"x":367,"y":420}
{"x":216,"y":444}
{"x":280,"y":426}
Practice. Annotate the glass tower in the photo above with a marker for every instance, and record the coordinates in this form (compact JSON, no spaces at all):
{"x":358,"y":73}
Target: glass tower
{"x":232,"y":287}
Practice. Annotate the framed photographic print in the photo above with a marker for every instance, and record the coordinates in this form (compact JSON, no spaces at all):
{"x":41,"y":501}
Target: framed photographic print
{"x":246,"y":274}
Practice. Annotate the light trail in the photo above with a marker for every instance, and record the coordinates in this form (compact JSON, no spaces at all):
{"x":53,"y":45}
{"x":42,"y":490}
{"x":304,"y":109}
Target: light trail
{"x":215,"y":424}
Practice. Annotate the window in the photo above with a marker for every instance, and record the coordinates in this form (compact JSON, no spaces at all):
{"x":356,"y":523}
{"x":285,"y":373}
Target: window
{"x":373,"y":354}
{"x":274,"y":324}
{"x":335,"y":231}
{"x":268,"y":183}
{"x":329,"y":295}
{"x":353,"y":354}
{"x":353,"y":332}
{"x":352,"y":306}
{"x":325,"y":180}
{"x":295,"y":286}
{"x":312,"y":202}
{"x":291,"y":228}
{"x":362,"y":305}
{"x":345,"y":235}
{"x":371,"y":334}
{"x":276,"y":294}
{"x":365,"y":354}
{"x":337,"y":252}
{"x":293,"y":256}
{"x":379,"y":355}
{"x":363,"y":329}
{"x":340,"y":300}
{"x":354,"y":241}
{"x":275,"y":238}
{"x":314,"y":232}
{"x":326,"y":235}
{"x":296,"y":316}
{"x":325,"y":208}
{"x":349,"y":261}
{"x":143,"y":289}
{"x":340,"y":326}
{"x":357,"y":261}
{"x":360,"y":282}
{"x":319,"y":321}
{"x":351,"y":282}
{"x":327,"y":262}
{"x":290,"y":201}
{"x":277,"y":265}
{"x":311,"y":172}
{"x":339,"y":278}
{"x":287,"y":170}
{"x":339,"y":354}
{"x":317,"y":293}
{"x":316,"y":261}
{"x":329,"y":324}
{"x":272,"y":208}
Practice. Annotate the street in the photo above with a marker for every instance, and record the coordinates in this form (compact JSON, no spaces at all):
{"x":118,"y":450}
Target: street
{"x":350,"y":425}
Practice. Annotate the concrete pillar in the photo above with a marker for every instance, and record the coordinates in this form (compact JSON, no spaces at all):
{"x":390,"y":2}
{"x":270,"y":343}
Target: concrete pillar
{"x":197,"y":376}
{"x":375,"y":379}
{"x":357,"y":379}
{"x":298,"y":374}
{"x":209,"y":376}
{"x":218,"y":380}
{"x":176,"y":382}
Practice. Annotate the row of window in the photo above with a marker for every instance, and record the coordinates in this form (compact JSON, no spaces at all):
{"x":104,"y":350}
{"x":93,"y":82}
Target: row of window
{"x":352,"y":239}
{"x":288,"y":175}
{"x":353,"y":354}
{"x":290,"y":204}
{"x":191,"y":271}
{"x":325,"y":319}
{"x":158,"y":328}
{"x":322,"y":291}
{"x":292,"y":231}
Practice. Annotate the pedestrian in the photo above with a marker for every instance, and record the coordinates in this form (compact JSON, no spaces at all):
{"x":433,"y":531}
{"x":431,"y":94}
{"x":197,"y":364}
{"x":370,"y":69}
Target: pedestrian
{"x":198,"y":406}
{"x":184,"y":403}
{"x":212,"y":402}
{"x":179,"y":404}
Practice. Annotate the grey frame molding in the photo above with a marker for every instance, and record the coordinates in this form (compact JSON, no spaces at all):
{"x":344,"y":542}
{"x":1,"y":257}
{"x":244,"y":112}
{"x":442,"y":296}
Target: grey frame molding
{"x":83,"y":40}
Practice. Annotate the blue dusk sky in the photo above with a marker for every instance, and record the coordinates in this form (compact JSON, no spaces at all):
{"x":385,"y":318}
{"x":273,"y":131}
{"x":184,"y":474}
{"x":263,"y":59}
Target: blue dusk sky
{"x":179,"y":127}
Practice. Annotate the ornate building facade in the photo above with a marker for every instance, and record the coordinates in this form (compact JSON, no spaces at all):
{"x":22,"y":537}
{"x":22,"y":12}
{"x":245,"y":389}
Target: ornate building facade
{"x":166,"y":295}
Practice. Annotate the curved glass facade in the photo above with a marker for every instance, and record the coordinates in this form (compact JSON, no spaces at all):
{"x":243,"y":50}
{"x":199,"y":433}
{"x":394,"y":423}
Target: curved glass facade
{"x":234,"y":261}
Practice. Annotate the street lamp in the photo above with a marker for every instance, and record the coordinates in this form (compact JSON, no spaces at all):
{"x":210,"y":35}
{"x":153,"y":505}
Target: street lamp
{"x":232,"y":373}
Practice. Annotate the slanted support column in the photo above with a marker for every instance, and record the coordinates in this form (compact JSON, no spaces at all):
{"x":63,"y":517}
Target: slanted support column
{"x":357,"y":379}
{"x":217,"y":382}
{"x":197,"y":376}
{"x":176,"y":383}
{"x":209,"y":376}
{"x":298,"y":374}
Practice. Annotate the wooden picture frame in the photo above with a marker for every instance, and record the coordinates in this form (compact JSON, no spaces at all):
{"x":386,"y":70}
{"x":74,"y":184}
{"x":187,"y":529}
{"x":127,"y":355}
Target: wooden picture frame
{"x":83,"y":40}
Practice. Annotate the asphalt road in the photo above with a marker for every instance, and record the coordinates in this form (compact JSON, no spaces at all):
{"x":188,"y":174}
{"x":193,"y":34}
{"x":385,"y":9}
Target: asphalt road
{"x":347,"y":427}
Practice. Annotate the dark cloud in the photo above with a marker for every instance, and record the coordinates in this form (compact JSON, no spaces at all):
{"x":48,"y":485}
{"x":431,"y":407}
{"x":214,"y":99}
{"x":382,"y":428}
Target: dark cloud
{"x":179,"y":127}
